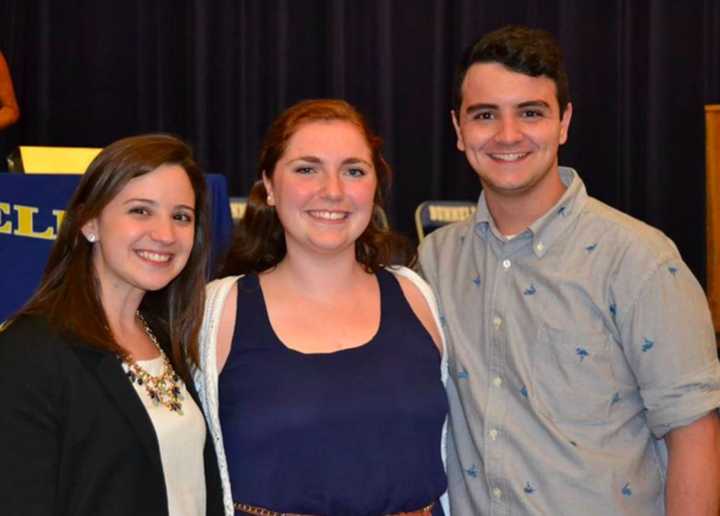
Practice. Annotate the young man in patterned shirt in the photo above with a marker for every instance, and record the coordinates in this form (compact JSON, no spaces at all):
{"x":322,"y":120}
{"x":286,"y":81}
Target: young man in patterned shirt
{"x":583,"y":370}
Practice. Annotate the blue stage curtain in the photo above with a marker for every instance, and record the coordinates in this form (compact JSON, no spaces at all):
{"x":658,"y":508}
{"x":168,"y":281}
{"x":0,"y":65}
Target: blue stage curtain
{"x":217,"y":71}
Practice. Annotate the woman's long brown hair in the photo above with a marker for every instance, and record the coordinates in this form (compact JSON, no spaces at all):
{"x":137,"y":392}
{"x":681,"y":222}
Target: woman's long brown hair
{"x":68,"y":295}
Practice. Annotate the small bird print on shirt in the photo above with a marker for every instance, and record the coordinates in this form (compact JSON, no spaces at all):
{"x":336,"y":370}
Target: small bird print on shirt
{"x":673,"y":270}
{"x":529,"y":489}
{"x":530,"y":291}
{"x":590,"y":248}
{"x":647,"y":345}
{"x":626,"y":491}
{"x":582,"y":353}
{"x":472,"y":471}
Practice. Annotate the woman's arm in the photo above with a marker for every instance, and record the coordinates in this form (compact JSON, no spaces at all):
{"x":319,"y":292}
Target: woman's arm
{"x":427,"y":310}
{"x":694,"y":468}
{"x":9,"y":109}
{"x":422,"y":301}
{"x":226,"y":328}
{"x":215,"y":339}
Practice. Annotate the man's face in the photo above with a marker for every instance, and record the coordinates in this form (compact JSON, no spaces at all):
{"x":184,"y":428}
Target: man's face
{"x":509,"y":127}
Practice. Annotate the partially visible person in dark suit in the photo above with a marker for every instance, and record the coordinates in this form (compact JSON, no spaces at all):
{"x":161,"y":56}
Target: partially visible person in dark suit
{"x":9,"y":109}
{"x":98,"y":411}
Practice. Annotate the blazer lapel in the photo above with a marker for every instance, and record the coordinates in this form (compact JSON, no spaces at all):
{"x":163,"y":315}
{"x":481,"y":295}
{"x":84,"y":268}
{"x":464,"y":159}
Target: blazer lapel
{"x":113,"y":379}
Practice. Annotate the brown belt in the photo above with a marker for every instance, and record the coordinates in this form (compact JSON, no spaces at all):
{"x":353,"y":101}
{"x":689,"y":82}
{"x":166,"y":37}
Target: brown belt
{"x":260,"y":511}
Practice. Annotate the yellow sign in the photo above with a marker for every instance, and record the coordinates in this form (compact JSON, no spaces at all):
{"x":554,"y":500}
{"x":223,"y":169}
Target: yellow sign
{"x":56,"y":160}
{"x":237,"y":207}
{"x":440,"y":213}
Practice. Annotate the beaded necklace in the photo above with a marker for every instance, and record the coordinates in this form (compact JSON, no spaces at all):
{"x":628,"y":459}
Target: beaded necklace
{"x":163,"y":389}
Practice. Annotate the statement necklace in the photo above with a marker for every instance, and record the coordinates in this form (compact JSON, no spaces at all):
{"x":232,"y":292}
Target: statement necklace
{"x":163,"y":389}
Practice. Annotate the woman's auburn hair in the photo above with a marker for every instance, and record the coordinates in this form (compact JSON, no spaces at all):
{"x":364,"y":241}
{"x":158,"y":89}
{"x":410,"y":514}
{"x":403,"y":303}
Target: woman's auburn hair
{"x":259,"y":241}
{"x":69,"y":292}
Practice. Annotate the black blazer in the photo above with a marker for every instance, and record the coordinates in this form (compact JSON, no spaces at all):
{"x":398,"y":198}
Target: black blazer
{"x":75,"y":439}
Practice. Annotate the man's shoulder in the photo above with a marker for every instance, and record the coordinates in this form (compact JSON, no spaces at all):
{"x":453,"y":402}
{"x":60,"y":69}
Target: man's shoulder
{"x":442,"y":248}
{"x":450,"y":235}
{"x":626,"y":233}
{"x":444,"y":244}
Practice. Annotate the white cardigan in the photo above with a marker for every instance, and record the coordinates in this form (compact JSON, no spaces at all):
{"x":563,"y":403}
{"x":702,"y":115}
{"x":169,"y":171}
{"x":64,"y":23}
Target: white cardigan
{"x":206,"y":377}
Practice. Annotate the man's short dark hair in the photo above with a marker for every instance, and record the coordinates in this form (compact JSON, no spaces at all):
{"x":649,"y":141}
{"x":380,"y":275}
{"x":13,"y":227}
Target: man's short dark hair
{"x":532,"y":52}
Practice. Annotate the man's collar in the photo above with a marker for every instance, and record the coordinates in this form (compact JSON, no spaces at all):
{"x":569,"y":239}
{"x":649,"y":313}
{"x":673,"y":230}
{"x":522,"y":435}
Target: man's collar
{"x":550,"y":226}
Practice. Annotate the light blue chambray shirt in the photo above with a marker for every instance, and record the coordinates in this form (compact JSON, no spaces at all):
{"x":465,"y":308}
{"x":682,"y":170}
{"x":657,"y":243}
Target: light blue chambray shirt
{"x":573,"y":348}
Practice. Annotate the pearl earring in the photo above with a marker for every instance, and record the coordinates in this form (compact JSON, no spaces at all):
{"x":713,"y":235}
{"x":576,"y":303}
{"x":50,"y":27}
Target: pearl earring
{"x":91,"y":237}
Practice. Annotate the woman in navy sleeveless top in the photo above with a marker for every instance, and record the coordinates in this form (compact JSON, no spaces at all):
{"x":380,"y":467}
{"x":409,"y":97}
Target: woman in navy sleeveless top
{"x":330,"y":397}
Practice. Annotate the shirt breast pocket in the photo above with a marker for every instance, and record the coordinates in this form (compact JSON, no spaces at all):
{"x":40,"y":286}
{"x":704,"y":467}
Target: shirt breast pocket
{"x":572,"y":375}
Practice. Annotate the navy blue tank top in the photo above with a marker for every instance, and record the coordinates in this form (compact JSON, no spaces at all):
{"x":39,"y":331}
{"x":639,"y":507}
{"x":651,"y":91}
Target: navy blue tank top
{"x":354,"y":432}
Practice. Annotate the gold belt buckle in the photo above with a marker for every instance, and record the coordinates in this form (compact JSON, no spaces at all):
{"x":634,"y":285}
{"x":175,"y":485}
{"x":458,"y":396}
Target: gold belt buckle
{"x":425,"y":511}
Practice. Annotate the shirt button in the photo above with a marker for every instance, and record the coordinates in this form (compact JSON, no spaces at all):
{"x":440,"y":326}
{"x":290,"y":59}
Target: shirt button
{"x":497,"y":381}
{"x":493,"y":434}
{"x":539,"y":247}
{"x":506,"y":264}
{"x":497,"y":322}
{"x":497,"y":492}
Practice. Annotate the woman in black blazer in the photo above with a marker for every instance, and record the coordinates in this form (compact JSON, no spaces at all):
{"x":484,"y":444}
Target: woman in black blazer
{"x":98,"y":415}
